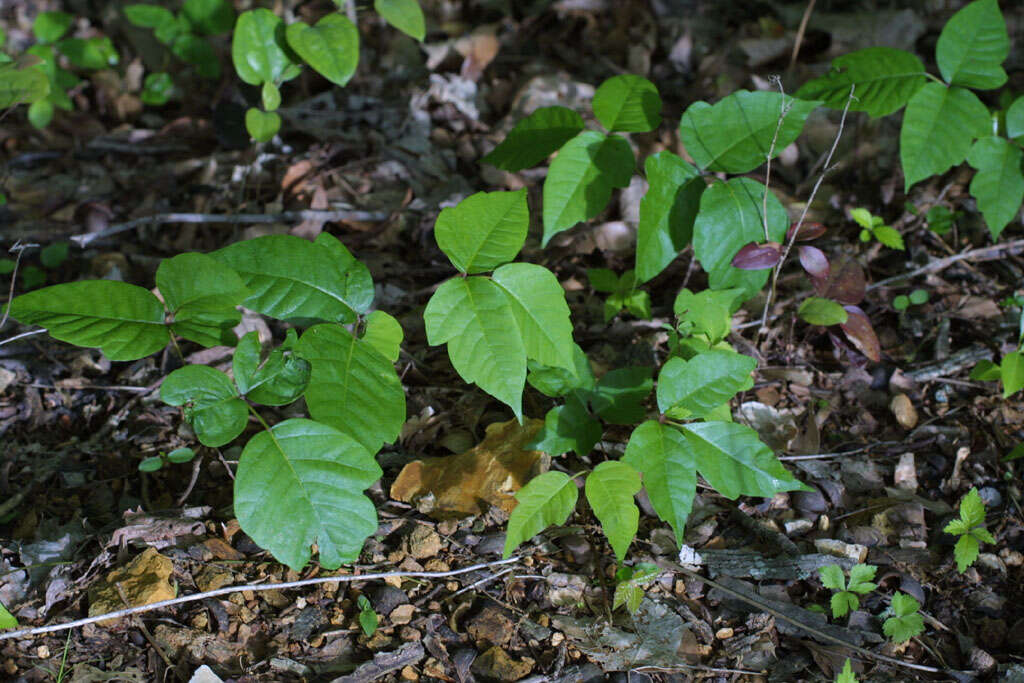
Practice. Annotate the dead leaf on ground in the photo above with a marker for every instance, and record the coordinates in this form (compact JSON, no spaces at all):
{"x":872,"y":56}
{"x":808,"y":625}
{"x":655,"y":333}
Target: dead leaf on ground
{"x":144,"y":581}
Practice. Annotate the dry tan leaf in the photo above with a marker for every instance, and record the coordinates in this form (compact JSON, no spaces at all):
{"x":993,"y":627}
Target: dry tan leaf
{"x":479,"y":48}
{"x":144,"y":581}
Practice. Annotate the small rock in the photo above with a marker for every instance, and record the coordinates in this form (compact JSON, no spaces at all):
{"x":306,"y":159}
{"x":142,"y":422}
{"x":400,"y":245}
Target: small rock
{"x":422,"y":543}
{"x":491,"y":625}
{"x":43,"y":652}
{"x":990,"y":496}
{"x":386,"y":598}
{"x":497,"y":664}
{"x":6,"y":378}
{"x":409,"y":674}
{"x":831,"y":546}
{"x":991,"y":561}
{"x":982,"y":662}
{"x":402,"y":614}
{"x":143,"y":581}
{"x":212,"y":577}
{"x":205,"y":674}
{"x":557,"y":638}
{"x":905,"y":476}
{"x":1012,"y":558}
{"x":798,"y":527}
{"x":902,"y":407}
{"x":724,"y":633}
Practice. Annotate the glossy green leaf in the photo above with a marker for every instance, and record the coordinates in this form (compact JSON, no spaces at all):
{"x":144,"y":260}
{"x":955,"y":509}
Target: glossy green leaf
{"x":484,"y":230}
{"x":355,"y":276}
{"x":209,"y":17}
{"x":818,"y":311}
{"x":290,"y":278}
{"x":20,"y":86}
{"x":568,"y":427}
{"x":610,"y":489}
{"x":619,"y":395}
{"x":90,"y":53}
{"x":547,"y":499}
{"x":704,"y":382}
{"x":986,"y":371}
{"x":353,"y":387}
{"x":663,"y":455}
{"x":7,"y":619}
{"x":181,"y":455}
{"x":553,"y":381}
{"x":1011,"y":370}
{"x":258,"y":48}
{"x":50,"y":26}
{"x":151,"y":464}
{"x":474,"y":316}
{"x":270,"y":96}
{"x":735,"y":134}
{"x":580,"y":180}
{"x":1015,"y":118}
{"x":535,"y":138}
{"x":541,"y":312}
{"x":998,"y":185}
{"x":730,"y":217}
{"x":735,"y":462}
{"x":884,"y":79}
{"x":708,"y":312}
{"x":124,"y":321}
{"x":148,"y":16}
{"x":384,"y":333}
{"x":213,"y":408}
{"x":202,"y":294}
{"x":405,"y":15}
{"x":262,"y":125}
{"x":276,"y":381}
{"x":302,"y":483}
{"x":938,"y":127}
{"x":628,"y":103}
{"x":667,"y":212}
{"x":973,"y":45}
{"x":331,"y":47}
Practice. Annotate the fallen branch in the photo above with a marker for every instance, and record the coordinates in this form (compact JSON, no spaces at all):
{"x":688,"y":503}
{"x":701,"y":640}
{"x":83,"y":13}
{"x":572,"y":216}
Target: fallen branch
{"x":983,"y":254}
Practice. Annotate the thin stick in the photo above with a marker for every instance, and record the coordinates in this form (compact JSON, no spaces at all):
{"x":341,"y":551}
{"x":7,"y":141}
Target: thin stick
{"x":348,"y":578}
{"x":784,"y":108}
{"x":800,"y":34}
{"x":982,"y":254}
{"x":20,"y":336}
{"x":157,"y":219}
{"x":20,"y":249}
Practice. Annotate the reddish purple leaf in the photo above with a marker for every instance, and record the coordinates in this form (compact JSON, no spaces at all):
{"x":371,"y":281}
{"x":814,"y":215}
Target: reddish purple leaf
{"x":845,"y":283}
{"x":858,"y":329}
{"x":815,"y":263}
{"x":756,"y":256}
{"x":807,"y":232}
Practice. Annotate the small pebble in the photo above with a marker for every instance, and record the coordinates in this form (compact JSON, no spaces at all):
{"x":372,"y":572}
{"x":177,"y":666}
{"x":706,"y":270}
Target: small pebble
{"x":831,"y":546}
{"x":724,"y":633}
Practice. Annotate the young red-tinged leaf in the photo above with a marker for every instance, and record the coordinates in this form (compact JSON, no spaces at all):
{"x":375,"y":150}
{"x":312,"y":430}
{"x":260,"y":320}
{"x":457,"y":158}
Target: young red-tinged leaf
{"x":846,"y":283}
{"x":858,"y":329}
{"x":754,"y":256}
{"x":815,"y":263}
{"x":805,"y":232}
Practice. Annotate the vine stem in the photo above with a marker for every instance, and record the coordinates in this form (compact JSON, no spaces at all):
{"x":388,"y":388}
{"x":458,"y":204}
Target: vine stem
{"x":784,"y":108}
{"x":803,"y":214}
{"x":348,"y":578}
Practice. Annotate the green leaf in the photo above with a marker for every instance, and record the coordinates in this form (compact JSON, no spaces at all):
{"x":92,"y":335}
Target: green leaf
{"x":384,"y":333}
{"x":7,"y":619}
{"x":209,"y":17}
{"x":535,"y":138}
{"x":331,"y":47}
{"x":151,"y":464}
{"x":302,"y":483}
{"x":567,"y":428}
{"x":148,"y":16}
{"x":50,"y":26}
{"x":124,"y":321}
{"x":965,"y":552}
{"x":1015,"y":118}
{"x":730,"y":217}
{"x":1011,"y":370}
{"x":709,"y":312}
{"x":484,"y":230}
{"x":603,"y":279}
{"x":270,"y":96}
{"x":90,"y":53}
{"x":368,"y":618}
{"x":667,"y":212}
{"x":547,"y":499}
{"x":18,"y":86}
{"x":262,"y":125}
{"x":735,"y":135}
{"x":619,"y":395}
{"x":198,"y":52}
{"x":202,"y":294}
{"x":157,"y":89}
{"x":628,"y":103}
{"x":938,"y":127}
{"x":40,"y":113}
{"x":972,"y":509}
{"x":405,"y":15}
{"x":213,"y":407}
{"x":998,"y":185}
{"x":580,"y":180}
{"x":292,"y":279}
{"x":735,"y":462}
{"x":639,"y":304}
{"x":832,"y":577}
{"x":843,"y":603}
{"x":358,"y":283}
{"x":884,"y":80}
{"x":474,"y":317}
{"x":663,"y":455}
{"x":862,"y":578}
{"x":629,"y":587}
{"x":181,"y":455}
{"x":610,"y":489}
{"x":973,"y":45}
{"x":541,"y":312}
{"x":905,"y":622}
{"x":280,"y":379}
{"x":846,"y":675}
{"x":353,"y":387}
{"x":704,"y":382}
{"x":983,"y":535}
{"x":258,"y":48}
{"x":986,"y":371}
{"x":957,"y":527}
{"x":560,"y":381}
{"x":818,"y":311}
{"x":889,"y":236}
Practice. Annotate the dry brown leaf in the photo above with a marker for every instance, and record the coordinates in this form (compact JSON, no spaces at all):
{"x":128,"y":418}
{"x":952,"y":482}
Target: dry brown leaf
{"x":144,"y":581}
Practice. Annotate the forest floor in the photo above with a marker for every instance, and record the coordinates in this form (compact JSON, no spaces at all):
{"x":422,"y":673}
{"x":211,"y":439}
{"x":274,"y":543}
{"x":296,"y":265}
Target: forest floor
{"x":889,"y":448}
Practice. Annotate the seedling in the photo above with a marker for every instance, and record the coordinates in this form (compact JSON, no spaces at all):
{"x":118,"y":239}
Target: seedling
{"x":1010,"y":372}
{"x":915,"y":298}
{"x":7,"y":620}
{"x":630,"y":583}
{"x":367,"y":617}
{"x":156,"y":462}
{"x":846,"y":599}
{"x":940,"y":219}
{"x":874,"y":226}
{"x":971,"y":530}
{"x":846,"y":675}
{"x":622,"y":293}
{"x":905,"y":622}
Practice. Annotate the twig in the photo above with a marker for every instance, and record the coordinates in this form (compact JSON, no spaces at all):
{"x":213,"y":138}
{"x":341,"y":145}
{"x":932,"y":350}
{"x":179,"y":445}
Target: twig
{"x":800,"y":34}
{"x":982,"y":254}
{"x":348,"y":578}
{"x":19,"y":249}
{"x":146,"y":633}
{"x":19,"y":336}
{"x":157,"y":219}
{"x":784,"y":108}
{"x":482,"y":582}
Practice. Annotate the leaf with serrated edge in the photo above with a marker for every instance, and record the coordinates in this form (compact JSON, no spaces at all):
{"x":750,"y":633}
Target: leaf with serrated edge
{"x":667,"y":212}
{"x":938,"y":127}
{"x":580,"y":180}
{"x":547,"y":499}
{"x":973,"y":45}
{"x":832,"y":577}
{"x":862,"y":577}
{"x":484,"y":230}
{"x":538,"y":302}
{"x":302,"y":483}
{"x":998,"y":185}
{"x":966,"y":552}
{"x":535,"y":138}
{"x":352,"y":386}
{"x":972,"y":509}
{"x":704,"y":382}
{"x":384,"y":333}
{"x":884,"y":80}
{"x":664,"y":457}
{"x":124,"y":321}
{"x":628,"y":103}
{"x":610,"y":489}
{"x":474,"y":317}
{"x":215,"y":411}
{"x":202,"y":294}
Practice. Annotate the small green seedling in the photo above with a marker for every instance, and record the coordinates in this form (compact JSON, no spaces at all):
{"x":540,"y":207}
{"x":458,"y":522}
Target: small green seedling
{"x":1010,"y":372}
{"x":874,"y":226}
{"x":177,"y":457}
{"x":846,"y":675}
{"x":367,"y":617}
{"x":845,"y":599}
{"x":905,"y":622}
{"x":7,"y":619}
{"x":622,"y":293}
{"x":630,"y":583}
{"x":905,"y":301}
{"x":940,"y":219}
{"x":971,"y":530}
